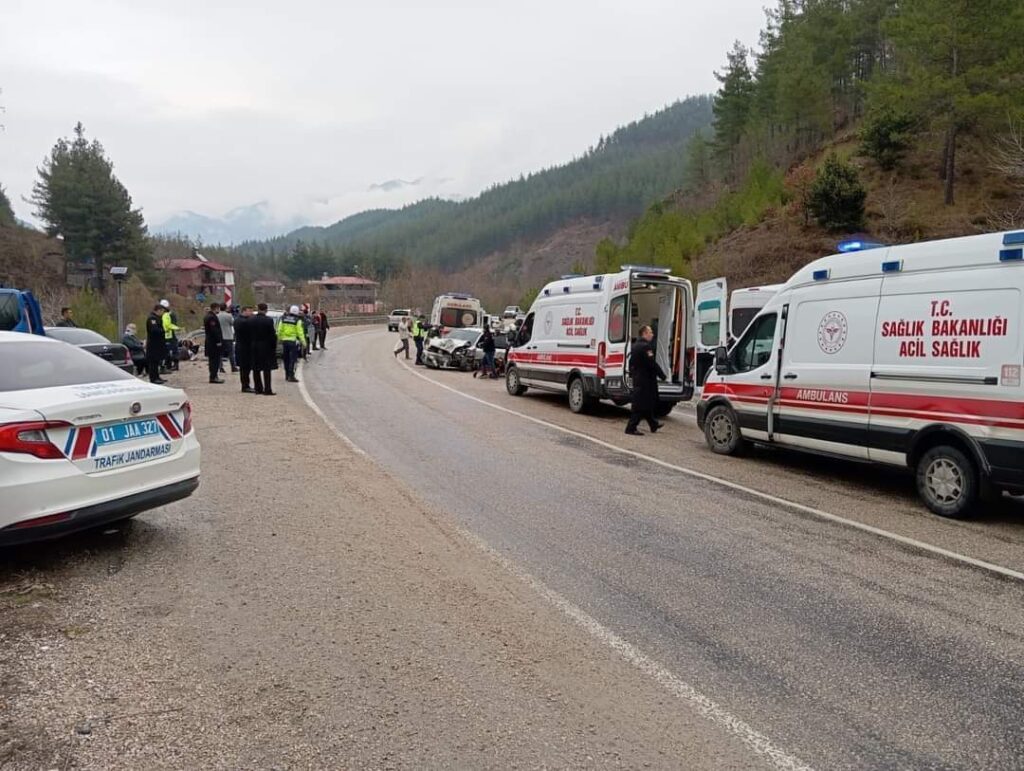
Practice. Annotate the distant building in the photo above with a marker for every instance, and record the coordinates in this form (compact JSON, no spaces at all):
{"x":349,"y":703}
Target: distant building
{"x":268,"y":290}
{"x":199,"y":278}
{"x":345,"y":294}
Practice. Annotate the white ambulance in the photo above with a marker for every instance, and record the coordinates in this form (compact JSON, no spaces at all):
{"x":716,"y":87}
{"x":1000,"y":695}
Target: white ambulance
{"x":718,"y":322}
{"x":456,"y":311}
{"x":905,"y":355}
{"x":577,"y":335}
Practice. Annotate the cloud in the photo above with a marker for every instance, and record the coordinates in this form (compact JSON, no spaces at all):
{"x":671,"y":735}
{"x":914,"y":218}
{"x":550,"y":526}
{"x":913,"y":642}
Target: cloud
{"x":319,"y":108}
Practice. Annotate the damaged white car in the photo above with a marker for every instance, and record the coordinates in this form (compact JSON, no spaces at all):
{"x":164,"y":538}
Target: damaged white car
{"x":454,"y":351}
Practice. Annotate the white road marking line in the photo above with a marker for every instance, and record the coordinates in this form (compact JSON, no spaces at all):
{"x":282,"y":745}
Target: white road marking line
{"x":754,"y":740}
{"x":317,"y":411}
{"x":793,"y":505}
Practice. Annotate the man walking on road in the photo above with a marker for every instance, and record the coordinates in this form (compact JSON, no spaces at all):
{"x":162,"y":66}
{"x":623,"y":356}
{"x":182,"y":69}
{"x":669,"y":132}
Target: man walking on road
{"x":293,"y":339}
{"x":156,"y":344}
{"x":227,"y":331}
{"x":263,"y":348}
{"x":403,"y":338}
{"x":643,"y":366}
{"x":419,"y":332}
{"x":214,"y":342}
{"x":243,"y":347}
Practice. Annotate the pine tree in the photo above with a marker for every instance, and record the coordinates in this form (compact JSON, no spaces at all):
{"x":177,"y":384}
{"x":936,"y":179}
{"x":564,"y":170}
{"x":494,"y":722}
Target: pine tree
{"x":958,"y":64}
{"x":80,"y":199}
{"x":6,"y":212}
{"x":836,"y":198}
{"x":733,"y":103}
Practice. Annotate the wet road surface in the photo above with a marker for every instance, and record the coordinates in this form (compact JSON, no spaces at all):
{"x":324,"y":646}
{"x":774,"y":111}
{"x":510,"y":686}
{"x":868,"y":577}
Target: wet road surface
{"x":842,"y":648}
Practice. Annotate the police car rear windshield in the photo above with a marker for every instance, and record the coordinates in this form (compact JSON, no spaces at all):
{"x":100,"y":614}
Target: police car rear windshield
{"x":48,"y":364}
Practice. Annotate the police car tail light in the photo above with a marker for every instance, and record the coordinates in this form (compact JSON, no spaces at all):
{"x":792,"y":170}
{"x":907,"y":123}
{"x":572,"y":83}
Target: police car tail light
{"x":186,"y":423}
{"x":31,"y":439}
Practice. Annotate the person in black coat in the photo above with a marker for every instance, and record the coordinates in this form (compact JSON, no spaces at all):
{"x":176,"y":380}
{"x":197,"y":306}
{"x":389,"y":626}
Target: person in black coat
{"x":643,"y":366}
{"x":214,"y":342}
{"x":156,"y":345}
{"x":243,"y":347}
{"x":263,"y":344}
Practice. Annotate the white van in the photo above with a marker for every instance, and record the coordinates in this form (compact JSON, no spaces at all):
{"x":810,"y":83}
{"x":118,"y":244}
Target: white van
{"x":456,"y":311}
{"x":719,"y":323}
{"x":577,"y":335}
{"x":745,"y":304}
{"x":905,"y":355}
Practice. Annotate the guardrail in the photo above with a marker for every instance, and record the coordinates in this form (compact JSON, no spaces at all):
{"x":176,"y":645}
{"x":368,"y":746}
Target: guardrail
{"x":351,"y":321}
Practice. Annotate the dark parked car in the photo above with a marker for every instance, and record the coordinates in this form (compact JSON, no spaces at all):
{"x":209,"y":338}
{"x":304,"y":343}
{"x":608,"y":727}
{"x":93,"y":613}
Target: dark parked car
{"x":95,"y":343}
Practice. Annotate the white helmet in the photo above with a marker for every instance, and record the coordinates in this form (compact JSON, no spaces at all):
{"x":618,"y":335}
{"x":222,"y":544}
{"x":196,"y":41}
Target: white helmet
{"x":294,"y":310}
{"x":165,"y":304}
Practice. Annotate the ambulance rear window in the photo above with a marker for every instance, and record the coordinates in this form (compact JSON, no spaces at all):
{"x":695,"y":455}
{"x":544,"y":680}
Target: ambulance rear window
{"x":458,"y":317}
{"x":617,"y":320}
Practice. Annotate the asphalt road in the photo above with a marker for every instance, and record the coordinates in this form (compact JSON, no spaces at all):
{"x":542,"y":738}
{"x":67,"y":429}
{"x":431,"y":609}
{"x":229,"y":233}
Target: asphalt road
{"x":840,"y":648}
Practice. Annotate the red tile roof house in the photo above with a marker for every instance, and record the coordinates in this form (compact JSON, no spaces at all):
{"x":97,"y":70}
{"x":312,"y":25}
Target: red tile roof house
{"x":345,"y":295}
{"x":200,"y":278}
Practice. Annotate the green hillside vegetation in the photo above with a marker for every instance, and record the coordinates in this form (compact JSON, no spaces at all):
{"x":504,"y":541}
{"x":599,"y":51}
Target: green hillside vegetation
{"x":620,"y":176}
{"x":850,"y":114}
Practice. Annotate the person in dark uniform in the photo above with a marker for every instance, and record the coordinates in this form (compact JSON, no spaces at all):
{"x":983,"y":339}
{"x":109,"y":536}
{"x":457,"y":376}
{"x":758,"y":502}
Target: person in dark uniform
{"x":243,"y":347}
{"x":156,"y":345}
{"x":214,"y":342}
{"x":643,"y":366}
{"x":263,"y":344}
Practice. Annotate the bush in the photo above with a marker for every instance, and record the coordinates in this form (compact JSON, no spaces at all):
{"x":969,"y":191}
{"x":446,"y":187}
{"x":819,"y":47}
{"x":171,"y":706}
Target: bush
{"x":91,"y":312}
{"x":837,"y":197}
{"x":887,"y":136}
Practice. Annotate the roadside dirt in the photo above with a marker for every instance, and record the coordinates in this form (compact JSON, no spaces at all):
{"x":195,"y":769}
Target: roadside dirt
{"x":303,"y":610}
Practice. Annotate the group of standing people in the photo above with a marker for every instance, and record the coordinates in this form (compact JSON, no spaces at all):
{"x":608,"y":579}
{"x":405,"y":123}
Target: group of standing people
{"x":246,"y":339}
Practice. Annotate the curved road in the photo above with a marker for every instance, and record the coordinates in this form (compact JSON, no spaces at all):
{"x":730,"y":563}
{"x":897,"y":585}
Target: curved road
{"x":823,"y":644}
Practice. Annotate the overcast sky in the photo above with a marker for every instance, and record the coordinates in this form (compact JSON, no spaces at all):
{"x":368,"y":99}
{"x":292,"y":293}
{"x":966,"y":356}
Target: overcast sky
{"x":208,"y":105}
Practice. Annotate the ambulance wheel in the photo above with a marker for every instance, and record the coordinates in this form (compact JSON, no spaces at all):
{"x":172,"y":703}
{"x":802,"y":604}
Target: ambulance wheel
{"x":722,"y":431}
{"x":947,"y":481}
{"x":512,"y":382}
{"x":579,"y":402}
{"x":663,"y":409}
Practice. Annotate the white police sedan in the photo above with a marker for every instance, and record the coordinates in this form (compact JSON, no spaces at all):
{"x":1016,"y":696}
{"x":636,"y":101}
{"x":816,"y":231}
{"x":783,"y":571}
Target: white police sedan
{"x":82,"y":443}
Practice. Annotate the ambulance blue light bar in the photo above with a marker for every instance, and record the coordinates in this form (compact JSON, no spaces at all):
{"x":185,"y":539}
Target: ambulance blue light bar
{"x":1011,"y":255}
{"x":571,"y":275}
{"x":892,"y":266}
{"x":1009,"y":239}
{"x":846,"y":247}
{"x":821,"y":275}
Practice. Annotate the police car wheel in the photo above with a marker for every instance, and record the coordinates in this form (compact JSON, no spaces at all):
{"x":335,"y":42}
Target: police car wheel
{"x":512,"y":383}
{"x":722,"y":431}
{"x":947,"y":482}
{"x":579,"y":402}
{"x":663,"y":409}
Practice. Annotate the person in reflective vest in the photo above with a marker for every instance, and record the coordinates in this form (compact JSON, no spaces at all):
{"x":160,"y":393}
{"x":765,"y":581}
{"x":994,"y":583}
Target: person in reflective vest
{"x":419,"y":333}
{"x":292,"y":335}
{"x":170,"y":338}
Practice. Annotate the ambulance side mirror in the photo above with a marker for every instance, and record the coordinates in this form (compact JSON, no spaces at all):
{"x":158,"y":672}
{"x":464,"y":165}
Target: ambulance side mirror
{"x":722,"y":365}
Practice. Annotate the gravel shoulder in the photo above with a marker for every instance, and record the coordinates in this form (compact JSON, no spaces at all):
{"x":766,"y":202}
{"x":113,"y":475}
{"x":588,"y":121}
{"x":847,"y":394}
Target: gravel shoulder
{"x":305,"y":610}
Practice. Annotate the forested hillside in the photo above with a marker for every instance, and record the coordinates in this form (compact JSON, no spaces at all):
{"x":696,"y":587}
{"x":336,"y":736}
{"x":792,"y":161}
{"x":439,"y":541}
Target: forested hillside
{"x":902,"y":119}
{"x":617,"y":178}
